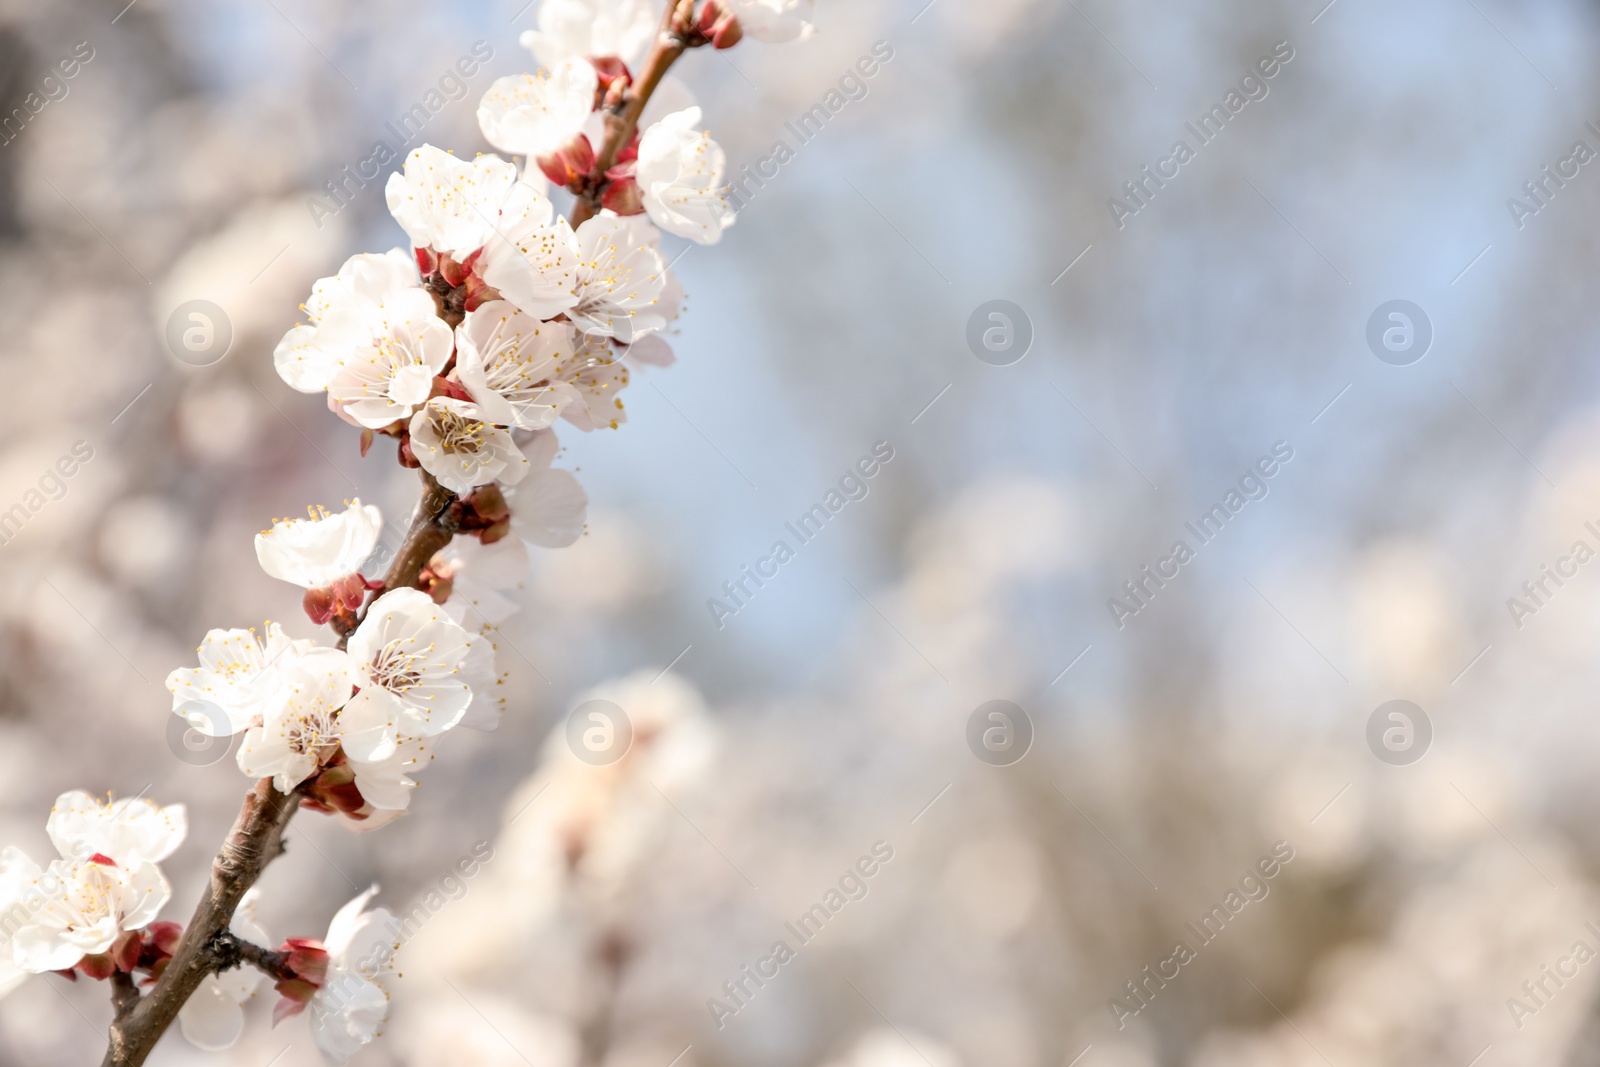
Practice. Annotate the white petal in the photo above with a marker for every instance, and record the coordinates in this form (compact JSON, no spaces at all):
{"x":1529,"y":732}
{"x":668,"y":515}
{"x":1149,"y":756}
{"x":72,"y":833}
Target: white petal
{"x":354,"y":1010}
{"x":369,"y":724}
{"x":315,"y":552}
{"x":552,"y":508}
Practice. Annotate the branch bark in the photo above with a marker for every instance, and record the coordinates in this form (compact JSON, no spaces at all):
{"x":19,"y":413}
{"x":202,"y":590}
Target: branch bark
{"x":234,"y":951}
{"x":432,"y":528}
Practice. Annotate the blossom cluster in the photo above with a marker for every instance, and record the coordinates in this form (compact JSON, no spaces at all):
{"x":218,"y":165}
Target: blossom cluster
{"x":501,"y":319}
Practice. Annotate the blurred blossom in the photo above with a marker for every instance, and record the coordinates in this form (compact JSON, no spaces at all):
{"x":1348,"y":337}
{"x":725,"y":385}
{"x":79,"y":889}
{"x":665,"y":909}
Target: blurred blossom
{"x":217,"y":422}
{"x":892,"y":1048}
{"x":142,"y":538}
{"x":481,"y":1028}
{"x":995,"y":884}
{"x":1229,"y":715}
{"x":1403,"y":617}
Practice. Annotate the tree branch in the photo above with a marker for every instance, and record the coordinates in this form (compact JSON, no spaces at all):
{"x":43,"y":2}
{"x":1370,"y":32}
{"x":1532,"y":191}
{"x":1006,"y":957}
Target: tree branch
{"x":255,"y":841}
{"x":233,"y":951}
{"x":256,"y":838}
{"x":670,"y":43}
{"x":124,"y":994}
{"x":431,"y":530}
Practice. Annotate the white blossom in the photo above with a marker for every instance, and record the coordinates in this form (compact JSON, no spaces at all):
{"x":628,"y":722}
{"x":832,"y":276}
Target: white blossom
{"x":448,"y":204}
{"x":315,"y":552}
{"x":456,"y":444}
{"x":620,"y":278}
{"x":531,"y":257}
{"x":536,"y":114}
{"x":238,"y":674}
{"x":481,"y":673}
{"x":301,"y":727}
{"x":386,"y":783}
{"x":774,"y":21}
{"x":345,"y":315}
{"x":679,"y":172}
{"x":132,"y":832}
{"x":550,"y":509}
{"x":595,"y":377}
{"x":597,"y":28}
{"x":82,"y":908}
{"x":408,"y":654}
{"x":350,"y":1006}
{"x":213,"y":1016}
{"x":480,"y":576}
{"x":389,"y":378}
{"x":105,"y":883}
{"x":652,"y":349}
{"x":510,"y":363}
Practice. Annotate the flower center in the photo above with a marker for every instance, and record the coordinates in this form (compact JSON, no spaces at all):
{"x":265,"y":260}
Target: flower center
{"x":397,"y":669}
{"x":459,"y":436}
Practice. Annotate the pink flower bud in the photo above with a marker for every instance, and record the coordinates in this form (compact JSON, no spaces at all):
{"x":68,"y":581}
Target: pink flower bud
{"x":719,"y":25}
{"x":319,"y":605}
{"x":727,"y":34}
{"x":570,"y":164}
{"x":610,"y":69}
{"x":100,"y":966}
{"x":622,"y":193}
{"x":126,"y":949}
{"x":306,"y":960}
{"x":350,"y":591}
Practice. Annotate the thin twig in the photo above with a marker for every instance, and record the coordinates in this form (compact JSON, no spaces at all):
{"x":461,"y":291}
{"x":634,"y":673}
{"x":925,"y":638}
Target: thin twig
{"x":670,"y":43}
{"x":124,"y":994}
{"x":255,"y":841}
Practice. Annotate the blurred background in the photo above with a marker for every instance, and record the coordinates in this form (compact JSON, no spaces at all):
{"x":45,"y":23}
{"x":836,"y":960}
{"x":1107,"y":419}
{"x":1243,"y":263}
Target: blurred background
{"x":1226,"y":315}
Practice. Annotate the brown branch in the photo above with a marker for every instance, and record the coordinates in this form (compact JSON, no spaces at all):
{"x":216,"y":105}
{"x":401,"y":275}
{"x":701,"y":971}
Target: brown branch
{"x":124,"y":994}
{"x":431,"y":530}
{"x":255,"y":841}
{"x":670,"y":43}
{"x":233,"y":951}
